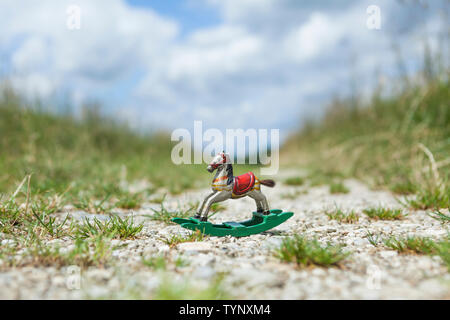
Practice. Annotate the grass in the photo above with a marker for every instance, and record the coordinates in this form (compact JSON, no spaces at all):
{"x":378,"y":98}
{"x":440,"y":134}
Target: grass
{"x":373,"y":239}
{"x":160,"y":262}
{"x":294,"y":181}
{"x":170,"y":287}
{"x":96,"y":252}
{"x":159,"y":199}
{"x":90,"y":205}
{"x":217,"y":207}
{"x":444,"y":251}
{"x":444,"y":218}
{"x":115,"y":227}
{"x":155,"y":262}
{"x":165,"y":215}
{"x":187,"y":290}
{"x":397,"y":140}
{"x":128,"y":200}
{"x":421,"y":245}
{"x":10,"y":216}
{"x":50,"y":224}
{"x":293,"y":195}
{"x":434,"y":198}
{"x":91,"y":154}
{"x":415,"y":245}
{"x":176,"y":238}
{"x":381,"y":213}
{"x":418,"y":245}
{"x":180,"y":262}
{"x":338,"y":187}
{"x":322,"y":176}
{"x":305,"y":252}
{"x":341,"y":216}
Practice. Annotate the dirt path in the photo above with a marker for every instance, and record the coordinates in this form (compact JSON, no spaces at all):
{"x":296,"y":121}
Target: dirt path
{"x":246,"y":266}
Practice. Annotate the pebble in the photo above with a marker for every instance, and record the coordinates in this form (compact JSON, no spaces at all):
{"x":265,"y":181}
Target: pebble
{"x":194,"y":247}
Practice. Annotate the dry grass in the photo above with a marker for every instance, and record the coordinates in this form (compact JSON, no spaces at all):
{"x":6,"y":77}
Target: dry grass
{"x":401,"y":143}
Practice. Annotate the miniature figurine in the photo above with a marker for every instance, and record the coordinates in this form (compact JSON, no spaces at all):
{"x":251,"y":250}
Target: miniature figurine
{"x":226,"y":186}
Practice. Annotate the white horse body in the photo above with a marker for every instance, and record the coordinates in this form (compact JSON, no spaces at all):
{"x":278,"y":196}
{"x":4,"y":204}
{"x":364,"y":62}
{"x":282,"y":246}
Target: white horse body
{"x":223,"y":187}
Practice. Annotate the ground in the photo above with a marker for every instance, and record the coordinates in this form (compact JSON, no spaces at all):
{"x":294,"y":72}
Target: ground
{"x":246,"y":268}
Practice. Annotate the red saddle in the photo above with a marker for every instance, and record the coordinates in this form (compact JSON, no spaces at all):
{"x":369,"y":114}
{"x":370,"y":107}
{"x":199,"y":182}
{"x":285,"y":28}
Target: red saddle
{"x":243,"y":183}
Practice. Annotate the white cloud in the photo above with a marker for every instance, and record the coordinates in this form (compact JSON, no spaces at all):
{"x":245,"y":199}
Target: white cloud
{"x":267,"y":62}
{"x":319,"y":33}
{"x":114,"y":40}
{"x":32,"y":52}
{"x":219,"y":51}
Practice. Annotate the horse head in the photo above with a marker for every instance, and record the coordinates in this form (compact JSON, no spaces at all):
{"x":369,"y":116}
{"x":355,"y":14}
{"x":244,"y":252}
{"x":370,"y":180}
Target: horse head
{"x":220,"y":159}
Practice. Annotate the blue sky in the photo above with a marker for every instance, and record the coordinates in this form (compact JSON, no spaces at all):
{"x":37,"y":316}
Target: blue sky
{"x":230,"y":63}
{"x":191,"y":15}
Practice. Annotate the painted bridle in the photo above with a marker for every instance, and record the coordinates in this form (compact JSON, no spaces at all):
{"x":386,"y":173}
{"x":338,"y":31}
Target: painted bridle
{"x":217,"y":164}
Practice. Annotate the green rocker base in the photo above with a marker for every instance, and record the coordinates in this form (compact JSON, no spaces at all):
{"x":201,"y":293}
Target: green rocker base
{"x":257,"y":224}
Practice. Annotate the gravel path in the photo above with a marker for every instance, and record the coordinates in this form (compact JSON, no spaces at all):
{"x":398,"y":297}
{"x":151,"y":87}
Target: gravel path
{"x":249,"y":269}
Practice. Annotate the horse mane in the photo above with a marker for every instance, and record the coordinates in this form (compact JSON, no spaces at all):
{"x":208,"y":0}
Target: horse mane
{"x":229,"y":173}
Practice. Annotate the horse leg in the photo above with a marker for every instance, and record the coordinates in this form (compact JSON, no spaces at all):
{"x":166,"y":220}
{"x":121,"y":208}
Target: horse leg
{"x":198,"y":214}
{"x":260,"y":198}
{"x":217,"y":197}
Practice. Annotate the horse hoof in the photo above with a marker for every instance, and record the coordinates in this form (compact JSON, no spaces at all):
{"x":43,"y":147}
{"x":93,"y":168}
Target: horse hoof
{"x":266,"y":213}
{"x":197,"y":216}
{"x":203,"y":219}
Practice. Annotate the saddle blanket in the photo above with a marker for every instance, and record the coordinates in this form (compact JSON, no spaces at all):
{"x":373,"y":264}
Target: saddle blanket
{"x":243,"y":183}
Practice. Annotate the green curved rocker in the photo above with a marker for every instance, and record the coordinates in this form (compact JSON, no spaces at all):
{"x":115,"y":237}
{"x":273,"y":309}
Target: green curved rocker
{"x":257,"y":224}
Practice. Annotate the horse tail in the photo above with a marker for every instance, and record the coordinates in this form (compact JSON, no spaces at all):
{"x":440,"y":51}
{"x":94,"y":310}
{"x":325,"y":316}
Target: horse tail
{"x":269,"y":183}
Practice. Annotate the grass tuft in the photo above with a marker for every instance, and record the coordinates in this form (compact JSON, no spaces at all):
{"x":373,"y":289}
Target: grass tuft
{"x":95,"y":252}
{"x":157,"y":262}
{"x":338,"y":187}
{"x":165,"y":215}
{"x":171,"y":290}
{"x":444,"y":218}
{"x":192,"y":237}
{"x":418,"y":245}
{"x":373,"y":239}
{"x":421,"y":245}
{"x":306,"y":252}
{"x":294,"y":181}
{"x":115,"y":227}
{"x":434,"y":198}
{"x":381,"y":213}
{"x":90,"y":205}
{"x":339,"y":215}
{"x":293,"y":195}
{"x":129,"y":200}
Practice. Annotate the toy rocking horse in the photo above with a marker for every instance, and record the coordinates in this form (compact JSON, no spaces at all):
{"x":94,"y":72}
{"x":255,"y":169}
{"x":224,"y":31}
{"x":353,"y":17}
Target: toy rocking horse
{"x":226,"y":186}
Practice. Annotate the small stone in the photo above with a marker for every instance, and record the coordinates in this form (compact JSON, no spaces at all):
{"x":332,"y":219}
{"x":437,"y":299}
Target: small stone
{"x":388,"y":254}
{"x":204,"y":272}
{"x":205,"y":259}
{"x":8,"y":242}
{"x":318,"y":272}
{"x":190,"y":247}
{"x":359,"y":242}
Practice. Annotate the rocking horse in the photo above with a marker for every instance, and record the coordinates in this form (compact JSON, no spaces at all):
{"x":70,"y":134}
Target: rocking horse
{"x":226,"y":186}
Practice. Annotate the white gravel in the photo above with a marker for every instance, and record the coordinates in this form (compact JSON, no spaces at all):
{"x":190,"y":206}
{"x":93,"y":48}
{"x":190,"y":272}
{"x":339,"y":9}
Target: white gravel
{"x":249,"y":268}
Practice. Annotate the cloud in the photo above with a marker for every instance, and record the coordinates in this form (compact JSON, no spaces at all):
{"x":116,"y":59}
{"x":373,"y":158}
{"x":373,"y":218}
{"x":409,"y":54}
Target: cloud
{"x":265,"y":64}
{"x":114,"y":39}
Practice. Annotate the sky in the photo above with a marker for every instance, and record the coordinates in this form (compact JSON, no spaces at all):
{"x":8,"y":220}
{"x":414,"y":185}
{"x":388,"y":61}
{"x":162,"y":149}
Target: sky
{"x":162,"y":64}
